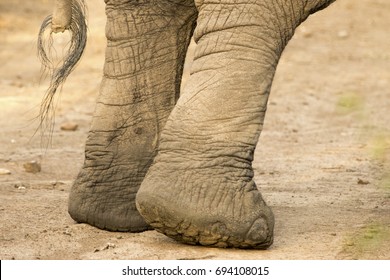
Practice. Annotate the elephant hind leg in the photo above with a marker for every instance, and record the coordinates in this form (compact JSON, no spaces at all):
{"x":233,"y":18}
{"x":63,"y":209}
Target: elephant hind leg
{"x":147,"y":42}
{"x":200,"y":188}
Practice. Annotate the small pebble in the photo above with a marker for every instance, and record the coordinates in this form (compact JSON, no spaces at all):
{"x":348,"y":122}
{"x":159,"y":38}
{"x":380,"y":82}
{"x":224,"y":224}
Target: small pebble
{"x":69,"y":126}
{"x":362,"y":182}
{"x":342,"y":34}
{"x":4,"y":171}
{"x":306,"y":32}
{"x":108,"y":246}
{"x":32,"y":166}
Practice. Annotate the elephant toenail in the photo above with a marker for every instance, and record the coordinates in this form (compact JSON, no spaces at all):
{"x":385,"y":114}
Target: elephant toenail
{"x":258,"y":232}
{"x":218,"y":228}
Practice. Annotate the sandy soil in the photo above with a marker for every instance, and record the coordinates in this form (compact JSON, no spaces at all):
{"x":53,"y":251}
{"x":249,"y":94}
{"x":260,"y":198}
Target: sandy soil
{"x":323,"y":163}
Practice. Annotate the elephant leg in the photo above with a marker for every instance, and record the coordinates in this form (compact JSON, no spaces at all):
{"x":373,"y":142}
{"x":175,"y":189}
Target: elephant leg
{"x":200,"y":188}
{"x":146,"y":47}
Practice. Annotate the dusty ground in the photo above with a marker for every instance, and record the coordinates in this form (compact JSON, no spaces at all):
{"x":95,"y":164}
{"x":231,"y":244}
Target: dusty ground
{"x":323,"y":163}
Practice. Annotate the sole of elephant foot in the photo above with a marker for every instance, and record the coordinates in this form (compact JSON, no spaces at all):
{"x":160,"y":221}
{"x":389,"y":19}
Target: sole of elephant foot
{"x":105,"y":204}
{"x":238,"y":218}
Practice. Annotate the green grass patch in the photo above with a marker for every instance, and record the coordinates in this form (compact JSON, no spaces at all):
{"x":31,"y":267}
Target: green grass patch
{"x":370,"y":242}
{"x":380,"y":146}
{"x":349,"y":102}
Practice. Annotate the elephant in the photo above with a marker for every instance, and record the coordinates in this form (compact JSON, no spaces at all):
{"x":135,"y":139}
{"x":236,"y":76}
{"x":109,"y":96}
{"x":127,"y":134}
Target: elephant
{"x":178,"y":162}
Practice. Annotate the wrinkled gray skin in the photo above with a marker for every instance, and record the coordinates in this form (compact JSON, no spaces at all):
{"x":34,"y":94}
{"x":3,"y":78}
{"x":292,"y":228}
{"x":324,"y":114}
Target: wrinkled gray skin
{"x":184,"y":165}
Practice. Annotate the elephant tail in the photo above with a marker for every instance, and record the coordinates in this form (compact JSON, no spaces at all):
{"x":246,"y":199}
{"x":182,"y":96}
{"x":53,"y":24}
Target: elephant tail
{"x":60,"y":71}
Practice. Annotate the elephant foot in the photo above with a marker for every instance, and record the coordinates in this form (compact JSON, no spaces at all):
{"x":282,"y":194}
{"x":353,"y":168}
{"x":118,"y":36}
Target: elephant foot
{"x":194,"y":208}
{"x":106,"y":201}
